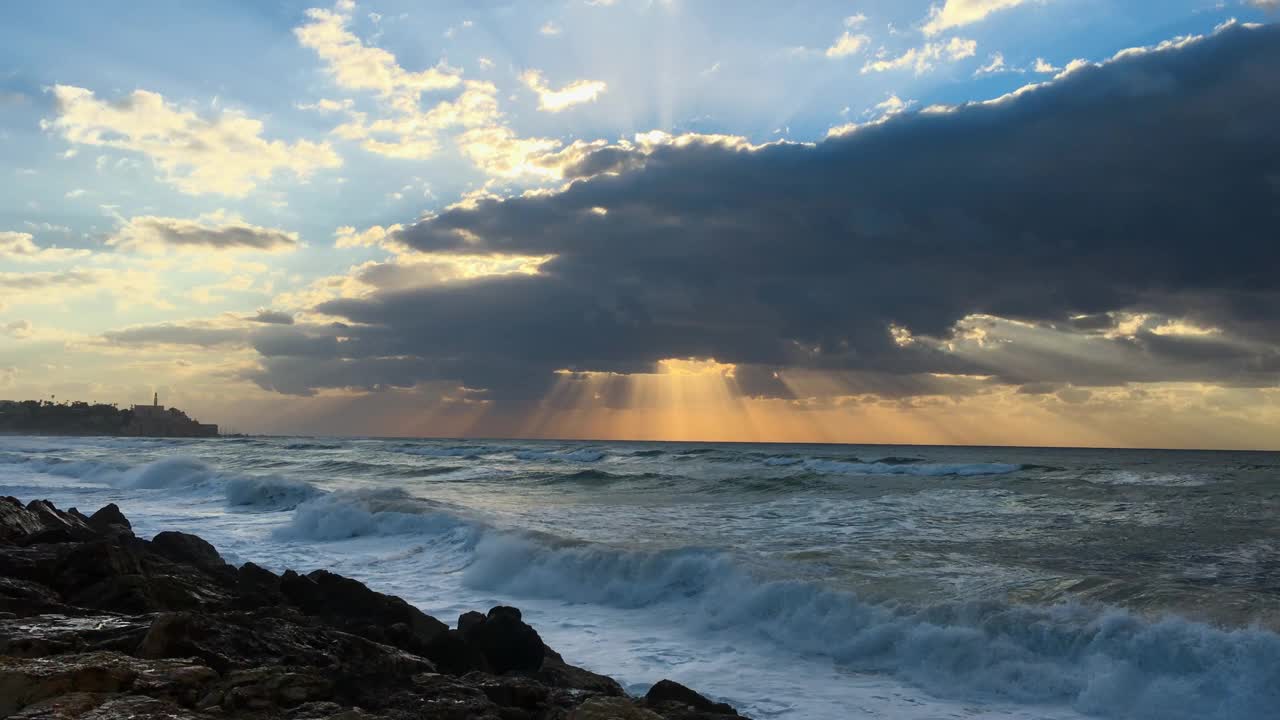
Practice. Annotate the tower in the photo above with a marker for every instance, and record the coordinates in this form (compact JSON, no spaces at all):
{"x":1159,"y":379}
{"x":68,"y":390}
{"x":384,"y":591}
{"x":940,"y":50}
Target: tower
{"x":155,"y":400}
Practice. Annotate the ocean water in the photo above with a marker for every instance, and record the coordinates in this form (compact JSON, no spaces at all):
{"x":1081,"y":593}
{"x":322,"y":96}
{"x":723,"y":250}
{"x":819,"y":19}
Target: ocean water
{"x":791,"y":581}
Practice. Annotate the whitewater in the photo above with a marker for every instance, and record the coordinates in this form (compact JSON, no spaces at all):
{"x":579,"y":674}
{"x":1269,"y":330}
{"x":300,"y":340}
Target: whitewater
{"x":790,"y":581}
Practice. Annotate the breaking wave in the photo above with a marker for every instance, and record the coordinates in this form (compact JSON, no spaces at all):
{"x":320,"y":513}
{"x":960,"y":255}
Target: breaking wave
{"x":1103,"y":661}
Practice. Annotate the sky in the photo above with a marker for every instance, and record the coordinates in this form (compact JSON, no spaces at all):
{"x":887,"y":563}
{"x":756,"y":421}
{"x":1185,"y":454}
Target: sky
{"x":1004,"y":222}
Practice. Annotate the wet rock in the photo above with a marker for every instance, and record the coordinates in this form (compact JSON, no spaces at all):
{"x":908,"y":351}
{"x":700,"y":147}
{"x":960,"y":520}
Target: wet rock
{"x":42,"y":635}
{"x":26,"y":681}
{"x":612,"y":708}
{"x":110,"y":521}
{"x":182,"y":547}
{"x":672,"y":696}
{"x":452,"y":654}
{"x":505,"y":640}
{"x":16,"y":522}
{"x":39,"y":522}
{"x":268,"y":687}
{"x":558,"y":673}
{"x":23,"y":597}
{"x":96,"y":623}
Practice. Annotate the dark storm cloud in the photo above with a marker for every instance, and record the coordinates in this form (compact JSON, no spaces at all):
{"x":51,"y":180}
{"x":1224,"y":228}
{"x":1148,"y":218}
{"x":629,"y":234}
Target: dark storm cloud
{"x":1149,"y":184}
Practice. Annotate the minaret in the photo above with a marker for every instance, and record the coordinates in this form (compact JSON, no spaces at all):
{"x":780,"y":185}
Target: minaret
{"x":155,"y":400}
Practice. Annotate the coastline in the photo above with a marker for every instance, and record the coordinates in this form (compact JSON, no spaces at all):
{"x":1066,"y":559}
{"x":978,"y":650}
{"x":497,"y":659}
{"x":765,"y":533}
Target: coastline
{"x":96,"y":622}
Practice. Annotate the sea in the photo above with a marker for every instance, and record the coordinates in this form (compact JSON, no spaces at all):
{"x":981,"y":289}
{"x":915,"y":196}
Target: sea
{"x":792,"y":581}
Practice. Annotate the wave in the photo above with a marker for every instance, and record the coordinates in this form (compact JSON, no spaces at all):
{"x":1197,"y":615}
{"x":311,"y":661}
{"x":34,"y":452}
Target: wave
{"x":1128,"y":477}
{"x":312,"y":446}
{"x":359,"y":513}
{"x":1105,"y":662}
{"x":459,"y":451}
{"x":841,"y":467}
{"x":268,"y":493}
{"x":583,"y":455}
{"x":1102,"y":661}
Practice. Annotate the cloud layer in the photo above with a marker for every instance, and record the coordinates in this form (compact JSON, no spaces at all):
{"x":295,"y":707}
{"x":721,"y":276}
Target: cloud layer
{"x":1148,"y":186}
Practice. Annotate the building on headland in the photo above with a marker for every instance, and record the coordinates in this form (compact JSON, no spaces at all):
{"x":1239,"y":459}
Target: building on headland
{"x":155,"y":420}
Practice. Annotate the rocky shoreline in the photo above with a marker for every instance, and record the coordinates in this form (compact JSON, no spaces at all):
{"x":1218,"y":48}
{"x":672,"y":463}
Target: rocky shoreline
{"x":96,"y":623}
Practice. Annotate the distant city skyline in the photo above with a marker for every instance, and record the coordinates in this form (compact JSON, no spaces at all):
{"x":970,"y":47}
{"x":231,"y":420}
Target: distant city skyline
{"x":1005,"y":222}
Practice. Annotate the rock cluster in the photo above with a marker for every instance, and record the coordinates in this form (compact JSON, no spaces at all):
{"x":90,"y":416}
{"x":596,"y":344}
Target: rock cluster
{"x":97,"y":623}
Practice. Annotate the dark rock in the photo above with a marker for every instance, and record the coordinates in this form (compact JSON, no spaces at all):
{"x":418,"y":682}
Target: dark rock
{"x":26,"y":681}
{"x":560,"y":674}
{"x":39,"y":522}
{"x":452,"y":654}
{"x":666,"y":693}
{"x":468,"y":620}
{"x":182,"y":547}
{"x":16,"y":522}
{"x":23,"y":598}
{"x":52,"y":634}
{"x":505,"y":641}
{"x":612,"y":708}
{"x":256,"y":587}
{"x":96,"y":623}
{"x":109,"y":521}
{"x":357,"y":609}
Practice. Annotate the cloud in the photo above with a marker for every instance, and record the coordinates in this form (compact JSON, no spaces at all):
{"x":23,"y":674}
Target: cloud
{"x":574,"y":93}
{"x":271,"y":317}
{"x":214,"y":232}
{"x":957,"y":13}
{"x":922,"y":59}
{"x":995,"y":64}
{"x":1265,"y":4}
{"x":356,"y":66}
{"x":198,"y":334}
{"x":1045,"y":67}
{"x":963,"y":243}
{"x":375,"y":236}
{"x":20,"y":246}
{"x":550,"y":29}
{"x":39,"y":281}
{"x":324,"y":105}
{"x":224,"y":154}
{"x":847,"y":44}
{"x":18,"y":329}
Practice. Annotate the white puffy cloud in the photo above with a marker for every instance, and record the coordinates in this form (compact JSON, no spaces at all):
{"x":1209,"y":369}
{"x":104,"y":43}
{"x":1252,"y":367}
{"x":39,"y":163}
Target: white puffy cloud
{"x":415,"y":134}
{"x":555,"y":100}
{"x":995,"y":64}
{"x":922,"y":59}
{"x":957,"y":13}
{"x":212,"y":232}
{"x":847,"y":44}
{"x":550,"y":28}
{"x":21,"y":247}
{"x":1044,"y":67}
{"x":356,"y":66}
{"x":375,"y":236}
{"x":224,"y":154}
